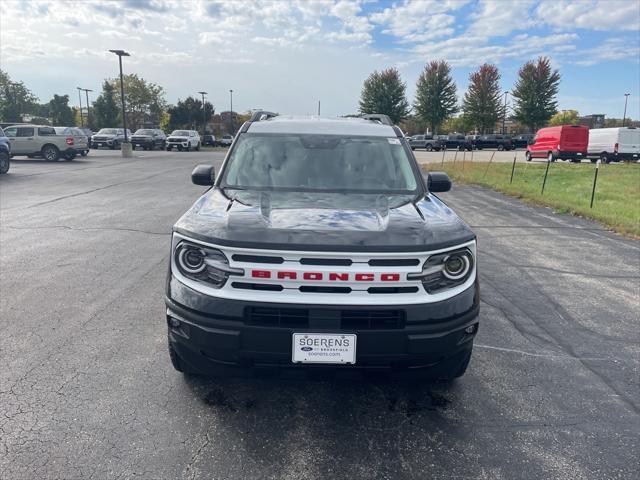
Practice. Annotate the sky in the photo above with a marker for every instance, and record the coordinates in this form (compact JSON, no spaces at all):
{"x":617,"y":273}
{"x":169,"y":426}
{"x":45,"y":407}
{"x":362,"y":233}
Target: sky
{"x":286,"y":56}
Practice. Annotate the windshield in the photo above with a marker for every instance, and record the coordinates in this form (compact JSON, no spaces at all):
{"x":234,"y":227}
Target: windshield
{"x":144,"y":132}
{"x":326,"y":163}
{"x":108,"y":131}
{"x":180,"y":133}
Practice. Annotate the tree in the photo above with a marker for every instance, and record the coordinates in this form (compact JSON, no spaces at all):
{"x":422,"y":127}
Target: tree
{"x":436,"y":97}
{"x":535,"y":93}
{"x":188,"y":114}
{"x":144,"y":101}
{"x":482,"y":103}
{"x":413,"y":125}
{"x":15,"y":99}
{"x":384,"y":92}
{"x":460,"y":124}
{"x":104,"y":112}
{"x":60,"y":111}
{"x":565,"y":117}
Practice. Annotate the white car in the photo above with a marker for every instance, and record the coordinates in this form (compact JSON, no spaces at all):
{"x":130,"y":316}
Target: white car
{"x":183,"y":140}
{"x":226,"y":141}
{"x":614,"y":144}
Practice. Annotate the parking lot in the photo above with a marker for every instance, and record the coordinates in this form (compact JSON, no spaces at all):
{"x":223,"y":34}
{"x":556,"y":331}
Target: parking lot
{"x":87,"y":389}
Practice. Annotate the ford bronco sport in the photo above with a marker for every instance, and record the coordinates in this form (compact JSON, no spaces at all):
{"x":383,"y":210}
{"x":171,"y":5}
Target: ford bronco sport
{"x":321,"y":245}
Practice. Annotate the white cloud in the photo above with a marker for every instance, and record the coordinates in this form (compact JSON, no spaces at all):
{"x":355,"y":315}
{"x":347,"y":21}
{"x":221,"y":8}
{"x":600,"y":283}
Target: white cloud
{"x":592,"y":15}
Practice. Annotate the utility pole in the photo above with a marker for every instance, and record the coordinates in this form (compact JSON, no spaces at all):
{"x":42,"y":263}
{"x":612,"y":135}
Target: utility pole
{"x":204,"y":115}
{"x":318,"y":107}
{"x":86,"y":91}
{"x":624,"y":115}
{"x":126,"y":146}
{"x":80,"y":99}
{"x":504,"y":114}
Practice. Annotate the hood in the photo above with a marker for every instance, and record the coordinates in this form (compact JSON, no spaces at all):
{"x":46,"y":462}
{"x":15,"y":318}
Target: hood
{"x":323,"y":222}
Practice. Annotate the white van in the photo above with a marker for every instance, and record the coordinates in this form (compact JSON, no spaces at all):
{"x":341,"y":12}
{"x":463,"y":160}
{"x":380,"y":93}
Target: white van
{"x":614,"y":144}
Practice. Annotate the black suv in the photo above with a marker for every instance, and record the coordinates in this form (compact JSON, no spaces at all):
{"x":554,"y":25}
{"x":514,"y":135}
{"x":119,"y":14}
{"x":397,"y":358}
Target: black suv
{"x":522,"y":140}
{"x":284,"y":262}
{"x":497,"y":141}
{"x":455,"y":141}
{"x":149,"y":139}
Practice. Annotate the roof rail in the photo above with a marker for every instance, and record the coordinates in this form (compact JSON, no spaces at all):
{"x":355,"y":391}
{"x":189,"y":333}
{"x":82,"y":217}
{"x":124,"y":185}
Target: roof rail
{"x":378,"y":117}
{"x":262,"y":115}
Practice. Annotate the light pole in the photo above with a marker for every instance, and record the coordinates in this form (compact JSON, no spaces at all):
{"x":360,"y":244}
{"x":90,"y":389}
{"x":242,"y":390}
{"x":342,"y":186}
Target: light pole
{"x":204,"y":115}
{"x":80,"y":99}
{"x":126,"y":146}
{"x":624,"y":115}
{"x":504,"y":113}
{"x":15,"y":101}
{"x":231,"y":113}
{"x":86,"y":92}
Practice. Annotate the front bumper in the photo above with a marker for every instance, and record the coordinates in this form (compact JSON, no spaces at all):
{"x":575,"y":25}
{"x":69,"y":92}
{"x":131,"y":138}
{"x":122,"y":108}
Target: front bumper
{"x":177,"y":144}
{"x":213,"y":335}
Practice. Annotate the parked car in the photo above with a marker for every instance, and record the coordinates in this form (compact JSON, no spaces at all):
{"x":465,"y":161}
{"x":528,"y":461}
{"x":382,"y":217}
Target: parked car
{"x":565,"y":142}
{"x":614,"y":144}
{"x":148,"y":139}
{"x":209,"y":140}
{"x":87,"y":133}
{"x":41,"y":141}
{"x":455,"y":141}
{"x":5,"y":153}
{"x":109,"y":137}
{"x":306,"y":276}
{"x":497,"y":141}
{"x":79,"y":138}
{"x":424,"y":141}
{"x":522,"y":140}
{"x":226,"y":140}
{"x":183,"y":140}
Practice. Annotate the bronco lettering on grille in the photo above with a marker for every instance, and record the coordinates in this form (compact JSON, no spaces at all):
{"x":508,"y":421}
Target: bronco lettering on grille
{"x":330,"y":276}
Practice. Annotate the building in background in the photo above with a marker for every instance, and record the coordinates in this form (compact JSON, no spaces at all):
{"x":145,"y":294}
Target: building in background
{"x":595,"y":120}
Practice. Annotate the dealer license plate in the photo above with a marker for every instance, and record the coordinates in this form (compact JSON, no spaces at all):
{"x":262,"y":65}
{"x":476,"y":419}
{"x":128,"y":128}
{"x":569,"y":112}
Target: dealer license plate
{"x":99,"y":144}
{"x":335,"y":348}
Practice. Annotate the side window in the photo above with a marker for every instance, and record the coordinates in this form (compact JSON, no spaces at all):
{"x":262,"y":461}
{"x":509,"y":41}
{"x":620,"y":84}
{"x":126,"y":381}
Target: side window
{"x":10,"y":132}
{"x":43,"y":131}
{"x":25,"y":132}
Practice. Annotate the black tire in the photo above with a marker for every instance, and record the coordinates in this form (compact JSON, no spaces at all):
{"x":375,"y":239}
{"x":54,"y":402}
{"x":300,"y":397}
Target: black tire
{"x":429,"y":147}
{"x":188,"y":147}
{"x":69,"y":156}
{"x":413,"y":148}
{"x":198,"y":147}
{"x":593,"y":160}
{"x":50,"y":153}
{"x":179,"y":148}
{"x":5,"y":162}
{"x":168,"y":149}
{"x":84,"y":153}
{"x":527,"y":156}
{"x":500,"y":148}
{"x":604,"y":158}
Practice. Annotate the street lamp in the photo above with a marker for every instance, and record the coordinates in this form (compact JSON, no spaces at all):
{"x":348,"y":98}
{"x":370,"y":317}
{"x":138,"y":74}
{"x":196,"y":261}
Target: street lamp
{"x":86,"y":91}
{"x":624,"y":115}
{"x":80,"y":99}
{"x":15,"y":101}
{"x":231,"y":113}
{"x":204,"y":116}
{"x":504,"y":113}
{"x":126,"y":146}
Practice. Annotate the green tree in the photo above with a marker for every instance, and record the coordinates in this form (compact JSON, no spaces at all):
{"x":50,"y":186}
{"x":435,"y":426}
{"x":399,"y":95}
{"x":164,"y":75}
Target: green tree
{"x":413,"y":125}
{"x":15,"y":99}
{"x":385,"y":92}
{"x":482,"y":103}
{"x":144,"y":101}
{"x":565,"y":117}
{"x":436,"y":94}
{"x":104,"y":112}
{"x":459,"y":124}
{"x":535,"y":93}
{"x":188,"y":114}
{"x":60,"y":111}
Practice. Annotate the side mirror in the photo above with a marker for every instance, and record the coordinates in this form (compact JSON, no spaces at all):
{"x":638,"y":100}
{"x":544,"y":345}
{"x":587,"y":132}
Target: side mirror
{"x":203,"y":175}
{"x":437,"y":181}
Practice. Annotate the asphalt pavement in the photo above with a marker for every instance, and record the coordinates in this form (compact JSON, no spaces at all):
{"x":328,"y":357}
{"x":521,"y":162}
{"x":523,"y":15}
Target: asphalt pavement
{"x":87,"y":389}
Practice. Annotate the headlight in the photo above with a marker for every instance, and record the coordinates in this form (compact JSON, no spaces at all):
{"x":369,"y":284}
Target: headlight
{"x":203,"y":264}
{"x":445,"y":270}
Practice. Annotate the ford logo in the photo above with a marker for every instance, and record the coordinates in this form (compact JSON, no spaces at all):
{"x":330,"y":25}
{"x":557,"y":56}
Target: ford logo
{"x":306,"y":349}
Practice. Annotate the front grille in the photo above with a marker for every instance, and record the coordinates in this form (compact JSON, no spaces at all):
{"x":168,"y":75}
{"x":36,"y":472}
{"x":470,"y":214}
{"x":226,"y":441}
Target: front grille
{"x":279,"y":317}
{"x":100,"y":139}
{"x":372,"y":319}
